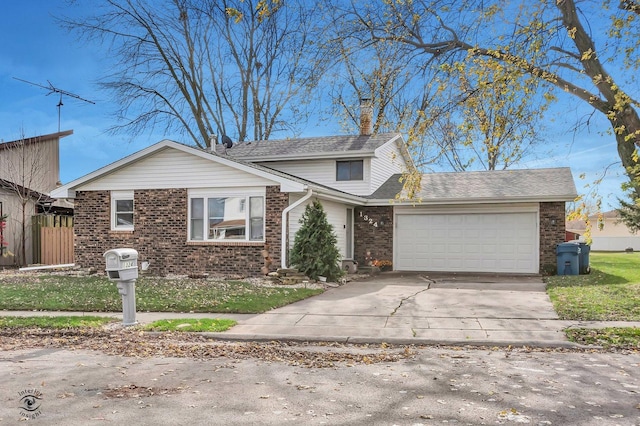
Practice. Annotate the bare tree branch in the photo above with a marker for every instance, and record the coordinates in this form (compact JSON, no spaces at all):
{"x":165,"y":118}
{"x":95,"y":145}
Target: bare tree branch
{"x":199,"y":67}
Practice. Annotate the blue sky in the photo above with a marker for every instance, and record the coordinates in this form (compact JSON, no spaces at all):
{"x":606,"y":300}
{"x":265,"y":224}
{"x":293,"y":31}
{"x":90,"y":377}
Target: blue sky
{"x":35,"y":48}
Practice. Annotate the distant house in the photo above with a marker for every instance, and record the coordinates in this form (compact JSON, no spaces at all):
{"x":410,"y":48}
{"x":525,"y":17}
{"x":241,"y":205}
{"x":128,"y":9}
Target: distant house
{"x":571,"y":235}
{"x":218,"y":211}
{"x":607,"y":233}
{"x":29,"y":170}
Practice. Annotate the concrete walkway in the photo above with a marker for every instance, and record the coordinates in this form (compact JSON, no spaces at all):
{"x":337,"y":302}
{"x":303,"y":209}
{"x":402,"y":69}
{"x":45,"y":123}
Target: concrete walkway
{"x":405,"y":309}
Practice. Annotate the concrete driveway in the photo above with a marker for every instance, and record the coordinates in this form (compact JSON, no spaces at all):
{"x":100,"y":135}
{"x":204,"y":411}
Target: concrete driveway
{"x":418,"y":308}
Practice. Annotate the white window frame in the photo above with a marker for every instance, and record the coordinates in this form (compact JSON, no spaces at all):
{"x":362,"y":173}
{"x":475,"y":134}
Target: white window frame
{"x":246,"y":193}
{"x":351,"y":179}
{"x":119,"y":196}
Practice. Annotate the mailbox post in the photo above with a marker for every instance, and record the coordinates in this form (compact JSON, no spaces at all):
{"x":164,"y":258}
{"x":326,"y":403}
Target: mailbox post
{"x":122,"y":267}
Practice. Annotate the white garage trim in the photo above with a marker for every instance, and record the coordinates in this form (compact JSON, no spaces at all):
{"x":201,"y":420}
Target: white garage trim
{"x":487,"y":239}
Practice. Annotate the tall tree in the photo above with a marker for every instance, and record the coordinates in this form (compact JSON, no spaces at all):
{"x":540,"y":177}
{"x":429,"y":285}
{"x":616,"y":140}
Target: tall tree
{"x":564,"y":43}
{"x":242,"y":68}
{"x":400,"y":89}
{"x":630,"y":214}
{"x":497,"y":122}
{"x":460,"y":120}
{"x":378,"y":73}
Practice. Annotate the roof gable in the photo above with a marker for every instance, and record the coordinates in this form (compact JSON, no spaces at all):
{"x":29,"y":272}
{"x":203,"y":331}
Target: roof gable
{"x":287,"y":184}
{"x":171,"y":168}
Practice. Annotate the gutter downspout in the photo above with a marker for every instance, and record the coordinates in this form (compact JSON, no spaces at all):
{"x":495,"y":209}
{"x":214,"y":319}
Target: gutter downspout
{"x":285,"y":233}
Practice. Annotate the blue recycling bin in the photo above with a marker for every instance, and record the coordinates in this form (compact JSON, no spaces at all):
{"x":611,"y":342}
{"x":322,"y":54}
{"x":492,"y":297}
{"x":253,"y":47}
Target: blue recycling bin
{"x":568,"y":255}
{"x":583,"y":258}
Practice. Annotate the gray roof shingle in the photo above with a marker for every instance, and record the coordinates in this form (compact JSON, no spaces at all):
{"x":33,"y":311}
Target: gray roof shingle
{"x":542,"y":184}
{"x":306,"y":147}
{"x":272,"y":171}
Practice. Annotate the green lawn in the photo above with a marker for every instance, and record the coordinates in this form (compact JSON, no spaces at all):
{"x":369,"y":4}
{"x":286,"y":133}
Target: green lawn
{"x":54,"y":322}
{"x":191,"y":325}
{"x":611,"y":292}
{"x":98,"y":294}
{"x":609,"y":338}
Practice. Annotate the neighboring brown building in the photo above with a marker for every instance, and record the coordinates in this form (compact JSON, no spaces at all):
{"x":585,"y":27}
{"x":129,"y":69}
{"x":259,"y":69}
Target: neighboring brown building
{"x":29,"y":170}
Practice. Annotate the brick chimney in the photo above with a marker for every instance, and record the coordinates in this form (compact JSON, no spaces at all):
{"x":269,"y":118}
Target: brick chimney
{"x":366,"y":117}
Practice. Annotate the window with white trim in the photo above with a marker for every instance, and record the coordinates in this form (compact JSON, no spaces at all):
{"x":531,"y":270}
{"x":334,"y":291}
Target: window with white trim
{"x":122,"y":210}
{"x":349,"y":170}
{"x":226,"y":218}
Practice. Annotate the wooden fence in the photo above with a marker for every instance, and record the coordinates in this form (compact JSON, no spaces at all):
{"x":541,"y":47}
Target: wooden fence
{"x":52,"y":239}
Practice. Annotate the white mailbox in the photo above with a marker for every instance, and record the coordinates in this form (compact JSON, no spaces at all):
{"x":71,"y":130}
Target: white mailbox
{"x":122,"y":264}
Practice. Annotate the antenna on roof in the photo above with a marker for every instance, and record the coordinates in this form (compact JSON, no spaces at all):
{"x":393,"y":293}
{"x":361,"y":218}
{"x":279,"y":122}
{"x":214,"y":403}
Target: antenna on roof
{"x":52,"y":89}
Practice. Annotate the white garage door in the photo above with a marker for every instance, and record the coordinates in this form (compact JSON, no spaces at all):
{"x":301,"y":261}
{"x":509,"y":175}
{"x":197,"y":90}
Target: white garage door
{"x":477,"y":242}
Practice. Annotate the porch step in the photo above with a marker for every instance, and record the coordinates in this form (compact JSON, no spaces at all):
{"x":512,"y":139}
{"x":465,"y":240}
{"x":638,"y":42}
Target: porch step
{"x":289,"y":276}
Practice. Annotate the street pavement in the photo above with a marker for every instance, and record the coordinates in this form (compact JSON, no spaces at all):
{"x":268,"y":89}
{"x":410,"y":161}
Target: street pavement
{"x":436,"y":386}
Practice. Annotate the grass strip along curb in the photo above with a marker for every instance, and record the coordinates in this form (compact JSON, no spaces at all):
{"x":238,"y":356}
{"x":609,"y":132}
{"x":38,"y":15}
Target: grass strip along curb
{"x":609,"y":338}
{"x":191,"y":325}
{"x":56,"y":322}
{"x":79,"y":322}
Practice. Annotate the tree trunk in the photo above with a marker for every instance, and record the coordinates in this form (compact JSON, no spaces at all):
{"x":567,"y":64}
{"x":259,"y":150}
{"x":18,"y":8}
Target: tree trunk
{"x":616,"y":105}
{"x":23,"y":238}
{"x":627,"y":143}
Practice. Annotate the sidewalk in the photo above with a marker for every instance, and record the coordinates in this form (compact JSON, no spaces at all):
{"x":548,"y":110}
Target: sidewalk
{"x":376,"y":328}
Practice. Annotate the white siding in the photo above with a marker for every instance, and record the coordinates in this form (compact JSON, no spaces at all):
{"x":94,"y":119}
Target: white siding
{"x":323,"y":171}
{"x":336,"y":216}
{"x":170,"y":168}
{"x":387,"y":162}
{"x":377,"y":170}
{"x":615,"y":243}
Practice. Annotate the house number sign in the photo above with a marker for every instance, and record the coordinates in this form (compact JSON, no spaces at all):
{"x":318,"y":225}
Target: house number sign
{"x":366,"y":218}
{"x":128,"y":264}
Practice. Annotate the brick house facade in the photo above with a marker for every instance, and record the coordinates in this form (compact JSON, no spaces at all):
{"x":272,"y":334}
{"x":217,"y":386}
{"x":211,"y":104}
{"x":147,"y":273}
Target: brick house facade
{"x":164,"y":180}
{"x":160,"y":235}
{"x":379,"y":240}
{"x":552,"y":233}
